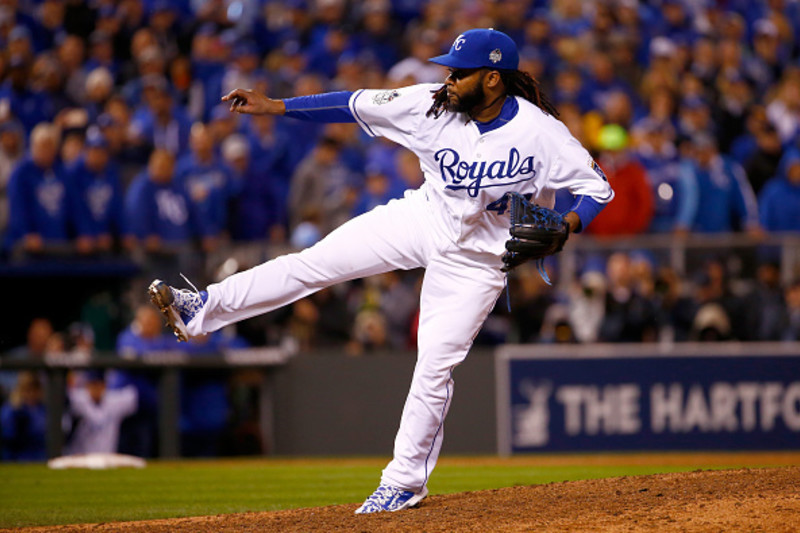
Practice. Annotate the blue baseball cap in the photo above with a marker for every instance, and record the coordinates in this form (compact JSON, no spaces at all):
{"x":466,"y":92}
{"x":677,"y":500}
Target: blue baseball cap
{"x":481,"y":48}
{"x":95,"y":138}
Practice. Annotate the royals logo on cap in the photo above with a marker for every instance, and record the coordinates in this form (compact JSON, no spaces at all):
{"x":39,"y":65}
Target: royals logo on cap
{"x":481,"y":48}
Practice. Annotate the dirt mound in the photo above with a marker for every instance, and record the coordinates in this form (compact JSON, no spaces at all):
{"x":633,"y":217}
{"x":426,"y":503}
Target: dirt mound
{"x":733,"y":500}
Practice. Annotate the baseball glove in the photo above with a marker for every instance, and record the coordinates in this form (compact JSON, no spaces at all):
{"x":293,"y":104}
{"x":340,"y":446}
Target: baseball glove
{"x":536,"y":232}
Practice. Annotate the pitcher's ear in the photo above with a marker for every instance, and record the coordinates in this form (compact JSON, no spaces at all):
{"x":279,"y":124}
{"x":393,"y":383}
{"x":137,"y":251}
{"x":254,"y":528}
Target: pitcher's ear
{"x":493,"y":79}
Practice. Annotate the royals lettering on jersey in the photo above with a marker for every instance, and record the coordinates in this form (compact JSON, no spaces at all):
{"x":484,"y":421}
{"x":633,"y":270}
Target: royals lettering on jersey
{"x":471,"y":176}
{"x":467,"y":170}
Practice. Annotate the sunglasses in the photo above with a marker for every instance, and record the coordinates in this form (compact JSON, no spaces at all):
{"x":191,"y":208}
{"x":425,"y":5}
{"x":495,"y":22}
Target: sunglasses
{"x":461,"y":73}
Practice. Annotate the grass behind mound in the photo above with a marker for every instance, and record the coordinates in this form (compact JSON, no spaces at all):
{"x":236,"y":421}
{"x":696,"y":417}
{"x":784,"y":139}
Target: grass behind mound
{"x":32,"y":495}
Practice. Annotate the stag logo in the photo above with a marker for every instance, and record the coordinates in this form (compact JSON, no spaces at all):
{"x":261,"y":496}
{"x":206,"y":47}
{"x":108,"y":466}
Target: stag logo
{"x":531,"y":421}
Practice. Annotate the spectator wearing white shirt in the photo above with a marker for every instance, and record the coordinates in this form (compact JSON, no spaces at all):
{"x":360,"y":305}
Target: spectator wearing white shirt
{"x":97,"y":414}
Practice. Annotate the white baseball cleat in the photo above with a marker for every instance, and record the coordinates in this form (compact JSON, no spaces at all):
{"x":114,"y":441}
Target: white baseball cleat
{"x":177,"y":306}
{"x":387,"y":498}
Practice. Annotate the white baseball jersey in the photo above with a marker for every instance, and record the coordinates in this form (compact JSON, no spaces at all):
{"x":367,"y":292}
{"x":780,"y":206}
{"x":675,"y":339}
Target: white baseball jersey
{"x":98,"y":428}
{"x":465,"y":171}
{"x":453,"y":226}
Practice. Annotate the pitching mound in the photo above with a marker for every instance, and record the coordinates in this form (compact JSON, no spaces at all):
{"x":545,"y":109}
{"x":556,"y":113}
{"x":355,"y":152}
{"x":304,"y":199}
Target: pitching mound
{"x":734,"y":500}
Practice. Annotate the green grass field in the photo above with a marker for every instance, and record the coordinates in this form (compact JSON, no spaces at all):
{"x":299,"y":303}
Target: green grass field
{"x":32,"y":495}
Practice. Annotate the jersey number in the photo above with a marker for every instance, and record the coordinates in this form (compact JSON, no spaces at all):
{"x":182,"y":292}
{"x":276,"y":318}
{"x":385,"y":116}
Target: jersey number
{"x":501,"y":205}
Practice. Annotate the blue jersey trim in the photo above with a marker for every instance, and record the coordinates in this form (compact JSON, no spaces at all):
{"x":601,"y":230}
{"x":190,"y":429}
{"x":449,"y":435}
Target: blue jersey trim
{"x":358,"y":117}
{"x":586,"y":208}
{"x":326,"y":107}
{"x":507,"y":112}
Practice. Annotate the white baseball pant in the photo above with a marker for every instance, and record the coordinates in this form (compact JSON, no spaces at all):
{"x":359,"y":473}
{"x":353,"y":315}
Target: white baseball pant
{"x":459,"y":289}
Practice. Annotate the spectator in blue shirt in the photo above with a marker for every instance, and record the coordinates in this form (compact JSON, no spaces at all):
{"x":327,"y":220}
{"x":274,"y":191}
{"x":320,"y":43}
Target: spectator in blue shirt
{"x":694,"y":118}
{"x":165,"y":23}
{"x":18,"y":39}
{"x":675,"y":193}
{"x":243,"y":71}
{"x":539,"y":40}
{"x":378,"y":34}
{"x":99,"y":87}
{"x":765,"y":64}
{"x":663,"y":68}
{"x":208,"y":184}
{"x":71,"y":54}
{"x":101,"y":52}
{"x":705,"y":59}
{"x":323,"y":56}
{"x":746,"y":144}
{"x":148,"y":62}
{"x":271,"y":31}
{"x":602,"y":83}
{"x":209,"y":55}
{"x":222,"y":124}
{"x":377,"y":191}
{"x":24,"y":421}
{"x":570,"y":87}
{"x":304,"y":135}
{"x":39,"y":198}
{"x":779,"y":201}
{"x":570,"y":18}
{"x":160,"y":122}
{"x":270,"y":153}
{"x":145,"y":335}
{"x":26,"y":105}
{"x":50,"y":15}
{"x":39,"y":334}
{"x":98,"y":194}
{"x":676,"y":21}
{"x":48,"y":83}
{"x":157,"y":208}
{"x":726,"y":197}
{"x":255,"y":215}
{"x":114,"y":124}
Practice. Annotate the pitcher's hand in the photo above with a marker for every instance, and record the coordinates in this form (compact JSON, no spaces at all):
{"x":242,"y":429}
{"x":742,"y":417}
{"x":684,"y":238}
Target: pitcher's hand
{"x":252,"y":103}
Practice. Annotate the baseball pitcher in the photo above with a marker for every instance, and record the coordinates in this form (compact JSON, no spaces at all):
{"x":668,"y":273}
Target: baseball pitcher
{"x":493,"y":154}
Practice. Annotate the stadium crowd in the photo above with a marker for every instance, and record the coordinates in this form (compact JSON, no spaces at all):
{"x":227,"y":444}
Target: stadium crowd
{"x":113,"y":143}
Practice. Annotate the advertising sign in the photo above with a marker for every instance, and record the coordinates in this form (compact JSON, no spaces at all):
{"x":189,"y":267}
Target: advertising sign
{"x":693,"y":397}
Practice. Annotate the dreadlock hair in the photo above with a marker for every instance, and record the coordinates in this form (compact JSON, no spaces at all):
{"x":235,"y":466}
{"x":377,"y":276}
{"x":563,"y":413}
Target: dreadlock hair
{"x":516,"y":82}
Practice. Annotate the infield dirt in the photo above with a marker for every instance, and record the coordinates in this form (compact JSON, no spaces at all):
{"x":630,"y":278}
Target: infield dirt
{"x":765,"y":500}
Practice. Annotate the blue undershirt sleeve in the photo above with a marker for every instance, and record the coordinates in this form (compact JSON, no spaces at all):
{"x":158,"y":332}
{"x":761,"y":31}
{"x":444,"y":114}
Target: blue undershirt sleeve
{"x":326,"y":107}
{"x":586,"y":208}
